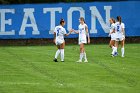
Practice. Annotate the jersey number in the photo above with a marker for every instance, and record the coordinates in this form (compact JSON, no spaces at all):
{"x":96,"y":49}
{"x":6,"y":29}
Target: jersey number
{"x":118,"y":28}
{"x":57,"y":32}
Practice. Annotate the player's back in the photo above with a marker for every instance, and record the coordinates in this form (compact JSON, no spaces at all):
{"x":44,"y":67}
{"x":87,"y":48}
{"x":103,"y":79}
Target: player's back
{"x":118,"y":29}
{"x":60,"y":32}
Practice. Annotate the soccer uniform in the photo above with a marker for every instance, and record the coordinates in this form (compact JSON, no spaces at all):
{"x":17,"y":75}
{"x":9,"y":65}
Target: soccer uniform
{"x":113,"y":35}
{"x":60,"y":32}
{"x":82,"y":34}
{"x":118,"y":31}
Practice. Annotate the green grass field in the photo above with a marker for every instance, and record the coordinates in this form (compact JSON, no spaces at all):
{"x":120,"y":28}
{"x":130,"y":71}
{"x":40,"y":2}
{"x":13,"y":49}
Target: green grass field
{"x":30,"y":69}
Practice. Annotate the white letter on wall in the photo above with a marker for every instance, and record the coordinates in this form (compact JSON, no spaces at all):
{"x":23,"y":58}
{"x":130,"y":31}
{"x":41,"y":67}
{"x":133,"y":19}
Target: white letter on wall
{"x":52,"y":16}
{"x":29,"y":14}
{"x":69,"y":15}
{"x":95,"y":14}
{"x":4,"y":22}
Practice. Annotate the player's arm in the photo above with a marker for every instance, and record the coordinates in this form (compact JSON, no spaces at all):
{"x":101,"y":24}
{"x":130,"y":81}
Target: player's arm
{"x":86,"y":28}
{"x":113,"y":31}
{"x":69,"y":32}
{"x":123,"y":29}
{"x":76,"y":31}
{"x":54,"y":37}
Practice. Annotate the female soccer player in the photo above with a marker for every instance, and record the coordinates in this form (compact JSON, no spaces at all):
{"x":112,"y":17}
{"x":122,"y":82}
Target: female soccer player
{"x":120,"y":35}
{"x":112,"y":34}
{"x":59,"y":33}
{"x":83,"y":34}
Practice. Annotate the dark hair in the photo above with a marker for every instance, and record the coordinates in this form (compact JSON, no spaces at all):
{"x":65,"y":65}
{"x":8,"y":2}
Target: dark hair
{"x":119,"y":19}
{"x":114,"y":21}
{"x":62,"y":21}
{"x":82,"y":18}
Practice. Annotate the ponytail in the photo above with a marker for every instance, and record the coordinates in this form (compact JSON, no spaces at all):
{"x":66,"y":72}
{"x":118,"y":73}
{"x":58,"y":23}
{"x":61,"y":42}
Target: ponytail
{"x":119,"y":19}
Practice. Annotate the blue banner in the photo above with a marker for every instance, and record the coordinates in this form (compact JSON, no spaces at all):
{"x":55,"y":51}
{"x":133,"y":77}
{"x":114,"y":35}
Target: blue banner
{"x":38,"y":20}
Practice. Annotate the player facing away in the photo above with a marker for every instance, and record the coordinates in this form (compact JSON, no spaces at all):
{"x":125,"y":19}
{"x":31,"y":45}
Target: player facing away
{"x":120,"y":35}
{"x":83,"y":34}
{"x":59,"y":33}
{"x":112,"y":34}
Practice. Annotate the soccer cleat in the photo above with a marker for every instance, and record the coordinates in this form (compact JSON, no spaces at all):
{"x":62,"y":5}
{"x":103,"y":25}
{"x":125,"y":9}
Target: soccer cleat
{"x":122,"y":55}
{"x":79,"y":61}
{"x":112,"y":55}
{"x":85,"y":61}
{"x":55,"y":60}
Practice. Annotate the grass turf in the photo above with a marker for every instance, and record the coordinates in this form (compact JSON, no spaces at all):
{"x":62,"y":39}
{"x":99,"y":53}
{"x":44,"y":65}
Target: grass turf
{"x":29,"y":69}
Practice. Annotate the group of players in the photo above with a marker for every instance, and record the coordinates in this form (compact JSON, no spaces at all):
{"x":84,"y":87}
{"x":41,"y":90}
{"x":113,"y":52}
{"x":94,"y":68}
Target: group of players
{"x":116,"y":33}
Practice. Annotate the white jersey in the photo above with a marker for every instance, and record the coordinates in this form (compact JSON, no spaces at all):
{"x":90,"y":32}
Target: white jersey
{"x":118,"y":29}
{"x":82,"y":33}
{"x":113,"y":35}
{"x":60,"y":32}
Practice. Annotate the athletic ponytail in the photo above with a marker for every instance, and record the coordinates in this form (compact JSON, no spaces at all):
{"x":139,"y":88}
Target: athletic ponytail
{"x":119,"y":19}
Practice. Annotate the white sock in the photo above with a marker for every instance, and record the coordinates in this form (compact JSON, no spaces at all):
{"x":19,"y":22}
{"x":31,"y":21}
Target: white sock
{"x":85,"y":56}
{"x":114,"y":50}
{"x":122,"y":50}
{"x":62,"y":54}
{"x":57,"y":53}
{"x":81,"y":56}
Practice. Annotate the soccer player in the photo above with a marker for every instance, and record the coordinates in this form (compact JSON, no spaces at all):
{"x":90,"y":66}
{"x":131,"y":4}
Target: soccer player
{"x":112,"y":34}
{"x":120,"y":35}
{"x":83,"y":34}
{"x":59,"y":33}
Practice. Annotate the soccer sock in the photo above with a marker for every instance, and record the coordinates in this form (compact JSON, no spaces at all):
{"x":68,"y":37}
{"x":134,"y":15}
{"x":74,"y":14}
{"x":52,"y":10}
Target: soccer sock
{"x":114,"y":50}
{"x":81,"y":56}
{"x":62,"y":54}
{"x":57,"y":53}
{"x":85,"y":56}
{"x":122,"y":50}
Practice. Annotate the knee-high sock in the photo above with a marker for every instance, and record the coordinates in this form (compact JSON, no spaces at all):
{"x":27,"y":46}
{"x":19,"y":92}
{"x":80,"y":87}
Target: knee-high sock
{"x":57,"y":53}
{"x":85,"y":56}
{"x":81,"y":56}
{"x":114,"y":50}
{"x":62,"y":54}
{"x":122,"y":50}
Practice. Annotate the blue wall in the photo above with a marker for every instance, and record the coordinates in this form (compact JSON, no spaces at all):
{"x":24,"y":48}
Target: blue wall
{"x":129,"y":10}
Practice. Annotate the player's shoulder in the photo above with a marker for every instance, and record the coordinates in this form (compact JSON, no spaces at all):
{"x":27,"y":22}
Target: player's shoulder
{"x":122,"y":23}
{"x":85,"y":24}
{"x":57,"y":27}
{"x":117,"y":23}
{"x":113,"y":24}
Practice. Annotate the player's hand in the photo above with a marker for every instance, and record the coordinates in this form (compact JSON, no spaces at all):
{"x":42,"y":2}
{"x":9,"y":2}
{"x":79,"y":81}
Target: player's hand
{"x":71,"y":30}
{"x":88,"y":41}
